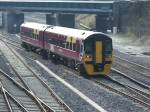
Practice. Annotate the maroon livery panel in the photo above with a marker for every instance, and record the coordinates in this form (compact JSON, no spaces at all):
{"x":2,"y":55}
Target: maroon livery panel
{"x":55,"y":43}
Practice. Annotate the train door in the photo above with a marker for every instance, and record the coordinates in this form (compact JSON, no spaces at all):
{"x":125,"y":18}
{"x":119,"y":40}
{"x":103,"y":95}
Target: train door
{"x":98,"y":60}
{"x":98,"y":52}
{"x":93,"y":56}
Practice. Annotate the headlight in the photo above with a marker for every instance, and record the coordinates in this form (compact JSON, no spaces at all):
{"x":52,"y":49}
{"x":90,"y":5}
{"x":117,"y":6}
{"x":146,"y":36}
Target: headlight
{"x":87,"y":56}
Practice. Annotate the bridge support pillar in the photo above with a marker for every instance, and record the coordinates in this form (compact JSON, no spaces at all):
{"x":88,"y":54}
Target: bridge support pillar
{"x":66,"y":20}
{"x":12,"y":21}
{"x":52,"y":19}
{"x":1,"y":20}
{"x":103,"y":22}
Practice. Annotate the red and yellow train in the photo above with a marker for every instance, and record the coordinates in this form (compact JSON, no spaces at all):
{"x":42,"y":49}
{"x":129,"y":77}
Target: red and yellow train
{"x":90,"y":52}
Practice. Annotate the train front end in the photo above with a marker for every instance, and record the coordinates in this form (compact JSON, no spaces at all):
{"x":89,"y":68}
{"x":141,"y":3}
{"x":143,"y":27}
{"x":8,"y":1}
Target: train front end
{"x":97,"y":58}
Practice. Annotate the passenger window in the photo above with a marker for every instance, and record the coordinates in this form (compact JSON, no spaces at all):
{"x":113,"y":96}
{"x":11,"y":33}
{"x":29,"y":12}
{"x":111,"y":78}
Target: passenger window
{"x":36,"y":37}
{"x":70,"y":46}
{"x":67,"y":45}
{"x":64,"y":45}
{"x":32,"y":35}
{"x":78,"y":48}
{"x":49,"y":41}
{"x":74,"y":47}
{"x":61,"y":43}
{"x":55,"y":42}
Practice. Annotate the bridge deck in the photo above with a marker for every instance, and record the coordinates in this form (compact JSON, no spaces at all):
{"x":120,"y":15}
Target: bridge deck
{"x":58,"y":6}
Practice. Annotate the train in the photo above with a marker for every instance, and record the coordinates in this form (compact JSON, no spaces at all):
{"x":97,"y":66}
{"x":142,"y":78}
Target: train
{"x":89,"y":52}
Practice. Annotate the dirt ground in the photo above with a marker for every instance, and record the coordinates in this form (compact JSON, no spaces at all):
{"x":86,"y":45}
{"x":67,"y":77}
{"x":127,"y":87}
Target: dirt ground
{"x":132,"y":45}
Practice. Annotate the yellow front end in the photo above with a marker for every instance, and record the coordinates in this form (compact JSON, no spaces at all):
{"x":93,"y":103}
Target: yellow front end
{"x":97,"y":63}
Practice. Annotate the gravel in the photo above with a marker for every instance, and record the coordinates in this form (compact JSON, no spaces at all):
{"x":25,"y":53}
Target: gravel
{"x":4,"y":65}
{"x":145,"y":61}
{"x":108,"y":100}
{"x":126,"y":81}
{"x":40,"y":91}
{"x":133,"y":74}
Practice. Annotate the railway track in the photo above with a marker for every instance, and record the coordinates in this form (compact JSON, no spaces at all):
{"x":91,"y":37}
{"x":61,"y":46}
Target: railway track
{"x":134,"y":66}
{"x":17,"y":45}
{"x":125,"y":76}
{"x":141,"y":96}
{"x":135,"y":94}
{"x":130,"y":92}
{"x":139,"y":92}
{"x":118,"y":60}
{"x":8,"y":38}
{"x":136,"y":91}
{"x":11,"y":37}
{"x":87,"y":100}
{"x":8,"y":103}
{"x":24,"y":98}
{"x":29,"y":78}
{"x":133,"y":70}
{"x":4,"y":105}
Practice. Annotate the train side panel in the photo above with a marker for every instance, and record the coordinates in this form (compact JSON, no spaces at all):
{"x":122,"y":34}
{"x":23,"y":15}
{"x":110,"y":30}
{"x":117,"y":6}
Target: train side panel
{"x":57,"y":44}
{"x":32,"y":37}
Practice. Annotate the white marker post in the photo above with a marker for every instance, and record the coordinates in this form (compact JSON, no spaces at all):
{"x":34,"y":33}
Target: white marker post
{"x":88,"y":100}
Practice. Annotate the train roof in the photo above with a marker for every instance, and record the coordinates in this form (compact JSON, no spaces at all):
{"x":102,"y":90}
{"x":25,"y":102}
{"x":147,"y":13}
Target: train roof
{"x":33,"y":25}
{"x":71,"y":32}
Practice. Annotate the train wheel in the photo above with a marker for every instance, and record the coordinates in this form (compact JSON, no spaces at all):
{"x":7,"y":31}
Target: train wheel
{"x":72,"y":64}
{"x":65,"y":62}
{"x":54,"y":59}
{"x":23,"y":45}
{"x":50,"y":55}
{"x":28,"y":47}
{"x":33,"y":49}
{"x":82,"y":71}
{"x":44,"y":54}
{"x":57,"y":60}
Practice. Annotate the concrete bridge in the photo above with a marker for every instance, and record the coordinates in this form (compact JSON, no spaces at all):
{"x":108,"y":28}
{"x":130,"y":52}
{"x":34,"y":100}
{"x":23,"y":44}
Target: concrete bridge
{"x":57,"y":12}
